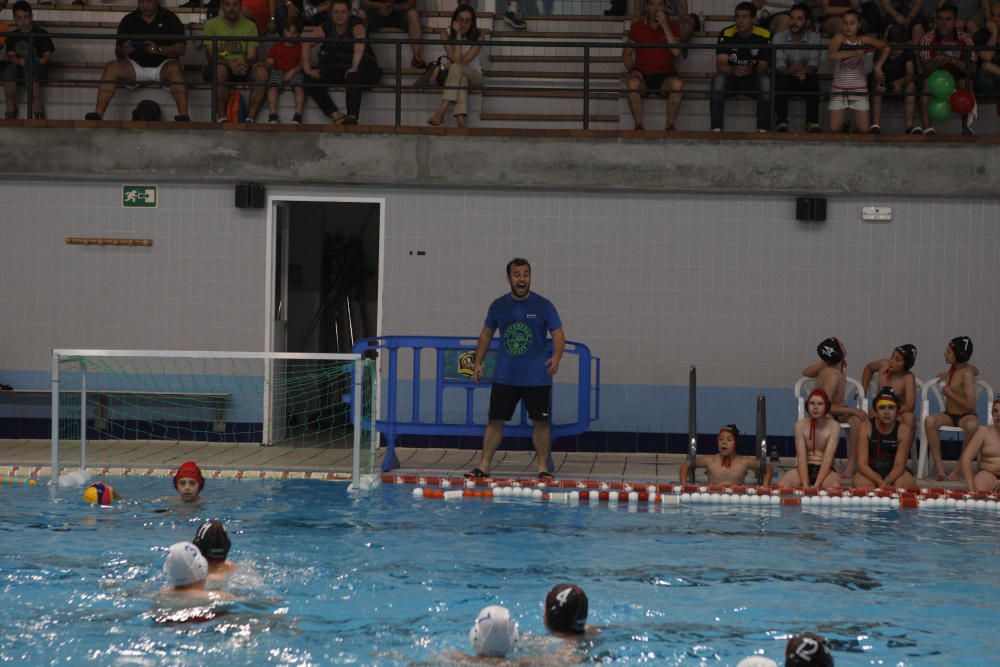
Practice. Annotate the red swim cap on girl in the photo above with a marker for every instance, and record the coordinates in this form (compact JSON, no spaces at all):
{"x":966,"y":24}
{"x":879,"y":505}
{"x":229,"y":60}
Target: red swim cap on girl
{"x":822,"y":394}
{"x":190,"y":470}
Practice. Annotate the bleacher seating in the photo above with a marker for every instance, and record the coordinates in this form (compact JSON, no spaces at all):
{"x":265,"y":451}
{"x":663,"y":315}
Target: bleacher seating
{"x":552,"y":71}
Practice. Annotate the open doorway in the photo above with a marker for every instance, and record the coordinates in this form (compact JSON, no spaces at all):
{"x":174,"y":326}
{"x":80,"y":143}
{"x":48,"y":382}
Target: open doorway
{"x":325,"y":284}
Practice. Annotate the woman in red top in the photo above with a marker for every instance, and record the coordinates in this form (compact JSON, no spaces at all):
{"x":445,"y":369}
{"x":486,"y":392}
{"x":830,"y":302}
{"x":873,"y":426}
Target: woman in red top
{"x":653,"y":69}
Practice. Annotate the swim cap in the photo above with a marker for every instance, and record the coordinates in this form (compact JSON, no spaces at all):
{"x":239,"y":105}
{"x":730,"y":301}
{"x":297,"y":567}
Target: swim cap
{"x":184,"y":565}
{"x":830,"y":351}
{"x":190,"y":470}
{"x":822,"y":394}
{"x":808,"y":650}
{"x":732,"y":428}
{"x":886,"y":395}
{"x":494,"y":633}
{"x":212,"y":541}
{"x":99,"y":494}
{"x":909,"y":354}
{"x":756,"y":661}
{"x":962,"y":347}
{"x":566,"y":609}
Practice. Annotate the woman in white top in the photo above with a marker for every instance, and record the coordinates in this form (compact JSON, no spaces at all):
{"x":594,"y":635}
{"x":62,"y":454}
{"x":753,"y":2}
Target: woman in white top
{"x":462,"y":65}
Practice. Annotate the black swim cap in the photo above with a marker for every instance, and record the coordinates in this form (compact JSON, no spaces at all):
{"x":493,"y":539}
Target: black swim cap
{"x":732,"y":428}
{"x":566,"y":609}
{"x":909,"y":354}
{"x":830,"y":351}
{"x":212,"y":541}
{"x":808,"y":650}
{"x":962,"y":347}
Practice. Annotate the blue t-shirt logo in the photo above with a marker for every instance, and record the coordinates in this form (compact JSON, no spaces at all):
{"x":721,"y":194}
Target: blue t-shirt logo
{"x":517,"y":339}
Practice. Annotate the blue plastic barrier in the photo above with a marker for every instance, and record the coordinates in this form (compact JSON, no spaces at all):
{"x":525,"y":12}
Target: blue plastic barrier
{"x":453,"y":361}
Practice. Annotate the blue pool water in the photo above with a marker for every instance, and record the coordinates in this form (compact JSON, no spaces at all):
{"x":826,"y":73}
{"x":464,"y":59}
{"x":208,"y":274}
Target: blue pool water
{"x":386,"y":579}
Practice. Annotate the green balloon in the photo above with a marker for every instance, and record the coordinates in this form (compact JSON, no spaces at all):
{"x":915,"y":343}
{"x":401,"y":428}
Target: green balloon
{"x":939,"y":109}
{"x":941,"y":84}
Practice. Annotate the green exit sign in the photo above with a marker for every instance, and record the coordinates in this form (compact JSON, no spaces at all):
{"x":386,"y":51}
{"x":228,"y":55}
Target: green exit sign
{"x":139,"y":196}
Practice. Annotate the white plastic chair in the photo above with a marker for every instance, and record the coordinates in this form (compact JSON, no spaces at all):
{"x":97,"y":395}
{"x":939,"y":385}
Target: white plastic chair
{"x":805,"y":385}
{"x":933,"y":388}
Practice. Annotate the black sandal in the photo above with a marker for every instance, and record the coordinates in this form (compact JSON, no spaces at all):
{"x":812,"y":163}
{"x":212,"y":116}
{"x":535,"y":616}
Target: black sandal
{"x":476,"y":473}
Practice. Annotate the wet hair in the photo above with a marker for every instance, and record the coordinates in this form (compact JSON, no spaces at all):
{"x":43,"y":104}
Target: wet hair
{"x":804,"y":8}
{"x":21,"y":6}
{"x":808,"y":650}
{"x":517,"y":261}
{"x":473,"y":33}
{"x":746,"y":6}
{"x":566,"y":609}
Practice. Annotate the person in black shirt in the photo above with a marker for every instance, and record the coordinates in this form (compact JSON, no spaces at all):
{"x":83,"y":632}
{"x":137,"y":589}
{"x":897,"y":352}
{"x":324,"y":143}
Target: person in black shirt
{"x":988,"y":79}
{"x":743,"y":68}
{"x":20,"y":59}
{"x":340,"y":62}
{"x":146,"y":61}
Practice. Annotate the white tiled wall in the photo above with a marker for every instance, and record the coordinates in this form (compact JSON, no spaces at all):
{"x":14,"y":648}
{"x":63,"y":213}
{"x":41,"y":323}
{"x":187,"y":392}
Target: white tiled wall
{"x":651,"y":283}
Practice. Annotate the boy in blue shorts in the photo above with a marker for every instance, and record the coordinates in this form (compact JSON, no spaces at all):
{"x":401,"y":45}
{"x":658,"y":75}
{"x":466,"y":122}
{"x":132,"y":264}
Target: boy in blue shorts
{"x":524,"y":368}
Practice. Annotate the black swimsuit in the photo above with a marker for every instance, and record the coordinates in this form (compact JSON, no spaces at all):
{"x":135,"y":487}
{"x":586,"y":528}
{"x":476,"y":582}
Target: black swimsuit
{"x":882,"y":448}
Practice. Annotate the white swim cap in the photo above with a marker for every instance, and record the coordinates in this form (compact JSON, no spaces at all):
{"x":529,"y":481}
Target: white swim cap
{"x":185,"y":564}
{"x":494,"y":633}
{"x":756,"y":661}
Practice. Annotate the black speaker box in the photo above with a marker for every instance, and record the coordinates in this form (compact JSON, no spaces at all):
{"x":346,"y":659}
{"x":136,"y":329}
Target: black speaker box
{"x":250,"y":195}
{"x":810,"y":209}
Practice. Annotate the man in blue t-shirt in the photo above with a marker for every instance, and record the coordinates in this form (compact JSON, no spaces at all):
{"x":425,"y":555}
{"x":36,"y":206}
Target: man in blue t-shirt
{"x":524,"y":368}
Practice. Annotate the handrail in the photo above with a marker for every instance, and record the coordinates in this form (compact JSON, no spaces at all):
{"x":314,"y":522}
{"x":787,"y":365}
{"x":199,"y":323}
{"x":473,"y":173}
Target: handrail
{"x":585,"y":89}
{"x":692,"y":422}
{"x":761,"y":448}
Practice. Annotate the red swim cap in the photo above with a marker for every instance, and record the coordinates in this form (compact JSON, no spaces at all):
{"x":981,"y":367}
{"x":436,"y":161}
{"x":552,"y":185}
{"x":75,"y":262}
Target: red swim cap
{"x":190,"y":470}
{"x":822,"y":394}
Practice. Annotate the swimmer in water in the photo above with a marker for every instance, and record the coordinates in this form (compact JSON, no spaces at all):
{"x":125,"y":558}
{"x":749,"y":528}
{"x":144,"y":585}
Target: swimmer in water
{"x":495,"y":634}
{"x":213,"y":543}
{"x":808,"y":650}
{"x":189,"y":482}
{"x":565,"y":614}
{"x":816,"y":438}
{"x":187,"y":572}
{"x":885,"y":446}
{"x":726,"y":467}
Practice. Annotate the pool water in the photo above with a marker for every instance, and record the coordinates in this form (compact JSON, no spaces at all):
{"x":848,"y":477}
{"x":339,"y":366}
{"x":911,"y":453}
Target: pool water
{"x":330,"y":578}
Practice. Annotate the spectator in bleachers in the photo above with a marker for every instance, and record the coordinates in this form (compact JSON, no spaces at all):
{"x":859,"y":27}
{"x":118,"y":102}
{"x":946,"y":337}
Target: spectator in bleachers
{"x":284,"y":61}
{"x":20,"y":59}
{"x":259,"y":11}
{"x":464,"y":70}
{"x":970,"y":14}
{"x":312,"y":12}
{"x":849,"y":91}
{"x":4,"y":26}
{"x":351,"y":64}
{"x":774,"y":15}
{"x":399,"y":14}
{"x":149,"y":61}
{"x":797,"y":69}
{"x":905,"y":13}
{"x":988,"y":78}
{"x":742,"y":69}
{"x":900,"y":76}
{"x":833,"y":12}
{"x":653,"y":69}
{"x":944,"y":34}
{"x":236,"y":60}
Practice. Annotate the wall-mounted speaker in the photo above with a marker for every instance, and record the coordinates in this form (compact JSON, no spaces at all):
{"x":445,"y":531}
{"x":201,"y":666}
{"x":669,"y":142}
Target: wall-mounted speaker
{"x":250,"y":195}
{"x":810,"y":209}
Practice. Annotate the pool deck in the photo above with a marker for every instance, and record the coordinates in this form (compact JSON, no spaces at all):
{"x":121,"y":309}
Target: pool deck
{"x":32,"y":458}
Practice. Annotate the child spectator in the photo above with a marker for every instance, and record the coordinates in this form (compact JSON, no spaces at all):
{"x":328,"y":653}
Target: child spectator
{"x":726,"y":467}
{"x":20,"y":59}
{"x":959,"y":389}
{"x":285,"y":62}
{"x":895,"y":372}
{"x":899,"y":77}
{"x":461,"y":63}
{"x":850,"y":90}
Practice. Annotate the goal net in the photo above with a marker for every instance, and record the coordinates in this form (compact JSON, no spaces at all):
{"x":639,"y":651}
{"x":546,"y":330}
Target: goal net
{"x":169,"y":400}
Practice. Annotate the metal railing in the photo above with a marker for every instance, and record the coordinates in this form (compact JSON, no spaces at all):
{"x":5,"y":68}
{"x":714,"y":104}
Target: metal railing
{"x":586,"y":89}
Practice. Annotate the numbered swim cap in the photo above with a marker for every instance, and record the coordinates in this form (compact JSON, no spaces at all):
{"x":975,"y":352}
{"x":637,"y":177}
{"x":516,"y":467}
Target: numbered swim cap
{"x":808,"y":650}
{"x":212,"y":541}
{"x":184,"y":565}
{"x":909,"y":354}
{"x":190,"y":470}
{"x":494,"y":633}
{"x":830,"y":351}
{"x":99,"y":494}
{"x":566,"y":609}
{"x":962,"y":347}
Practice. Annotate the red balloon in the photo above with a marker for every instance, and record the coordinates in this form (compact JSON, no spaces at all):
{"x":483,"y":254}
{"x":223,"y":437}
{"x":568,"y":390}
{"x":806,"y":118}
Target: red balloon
{"x":962,"y":101}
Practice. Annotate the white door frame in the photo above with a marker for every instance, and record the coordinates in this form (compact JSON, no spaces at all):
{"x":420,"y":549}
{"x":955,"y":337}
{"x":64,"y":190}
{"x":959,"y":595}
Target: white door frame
{"x":269,"y":254}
